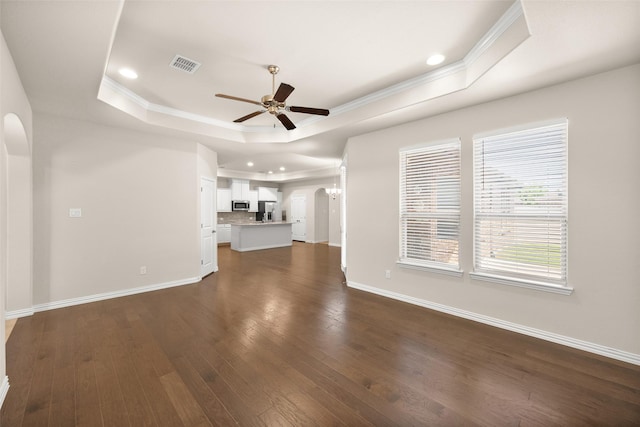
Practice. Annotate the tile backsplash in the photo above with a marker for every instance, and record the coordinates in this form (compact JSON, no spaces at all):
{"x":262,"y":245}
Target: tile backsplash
{"x":236,"y":216}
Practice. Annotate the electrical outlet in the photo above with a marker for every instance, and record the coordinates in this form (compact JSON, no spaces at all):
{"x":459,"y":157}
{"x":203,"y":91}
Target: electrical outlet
{"x":387,"y":274}
{"x":143,"y":269}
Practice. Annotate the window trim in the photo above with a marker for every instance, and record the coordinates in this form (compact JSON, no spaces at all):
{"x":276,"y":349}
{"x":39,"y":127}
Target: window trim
{"x":430,"y":266}
{"x":522,"y":283}
{"x":444,"y":269}
{"x":496,"y":277}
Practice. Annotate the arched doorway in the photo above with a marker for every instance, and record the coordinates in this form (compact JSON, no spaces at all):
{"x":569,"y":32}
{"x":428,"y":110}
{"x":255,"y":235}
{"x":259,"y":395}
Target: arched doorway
{"x":18,"y":219}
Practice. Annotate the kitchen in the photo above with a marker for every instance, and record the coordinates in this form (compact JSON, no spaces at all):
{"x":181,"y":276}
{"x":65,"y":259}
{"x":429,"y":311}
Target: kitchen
{"x":250,"y":217}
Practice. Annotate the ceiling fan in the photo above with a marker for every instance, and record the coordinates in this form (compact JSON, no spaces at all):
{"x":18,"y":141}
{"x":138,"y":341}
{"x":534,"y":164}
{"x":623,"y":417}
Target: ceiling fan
{"x":275,"y":102}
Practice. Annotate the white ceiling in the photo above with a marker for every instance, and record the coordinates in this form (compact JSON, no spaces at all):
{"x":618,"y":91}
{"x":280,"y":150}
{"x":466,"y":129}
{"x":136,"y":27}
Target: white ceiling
{"x":363,"y":60}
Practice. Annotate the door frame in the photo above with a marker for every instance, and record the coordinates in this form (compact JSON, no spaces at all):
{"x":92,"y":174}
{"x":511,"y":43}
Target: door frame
{"x":302,"y":197}
{"x":214,"y":217}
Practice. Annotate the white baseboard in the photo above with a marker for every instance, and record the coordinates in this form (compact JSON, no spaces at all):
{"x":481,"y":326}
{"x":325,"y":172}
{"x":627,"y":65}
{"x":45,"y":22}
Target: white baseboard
{"x":315,"y":242}
{"x":613,"y":353}
{"x":108,"y":295}
{"x":16,"y":314}
{"x":259,"y":248}
{"x":4,"y":389}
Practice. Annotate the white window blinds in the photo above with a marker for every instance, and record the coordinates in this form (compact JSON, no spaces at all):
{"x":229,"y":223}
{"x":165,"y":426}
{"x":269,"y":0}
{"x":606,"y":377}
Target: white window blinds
{"x":520,"y":204}
{"x":430,"y":205}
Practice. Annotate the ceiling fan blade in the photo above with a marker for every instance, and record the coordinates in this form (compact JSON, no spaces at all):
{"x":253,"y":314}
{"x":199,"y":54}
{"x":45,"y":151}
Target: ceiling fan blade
{"x":249,"y":116}
{"x":235,"y":98}
{"x":285,"y":121}
{"x":284,"y":90}
{"x":308,"y":110}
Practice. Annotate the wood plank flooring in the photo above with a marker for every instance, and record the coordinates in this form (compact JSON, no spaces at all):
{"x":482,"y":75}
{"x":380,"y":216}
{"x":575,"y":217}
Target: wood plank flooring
{"x":8,"y":327}
{"x":276,"y":339}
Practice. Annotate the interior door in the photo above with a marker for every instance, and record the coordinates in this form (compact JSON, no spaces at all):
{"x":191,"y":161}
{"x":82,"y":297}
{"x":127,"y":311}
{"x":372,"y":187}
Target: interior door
{"x":299,"y":217}
{"x":208,"y":240}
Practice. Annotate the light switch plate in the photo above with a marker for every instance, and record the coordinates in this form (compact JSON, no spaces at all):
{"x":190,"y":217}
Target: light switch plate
{"x":75,"y":213}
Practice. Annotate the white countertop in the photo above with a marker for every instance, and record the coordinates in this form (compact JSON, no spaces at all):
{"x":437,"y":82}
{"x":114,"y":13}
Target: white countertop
{"x":259,"y":223}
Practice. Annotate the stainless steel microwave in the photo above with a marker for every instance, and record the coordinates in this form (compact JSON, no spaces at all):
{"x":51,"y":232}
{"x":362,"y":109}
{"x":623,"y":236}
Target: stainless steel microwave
{"x":240,"y":205}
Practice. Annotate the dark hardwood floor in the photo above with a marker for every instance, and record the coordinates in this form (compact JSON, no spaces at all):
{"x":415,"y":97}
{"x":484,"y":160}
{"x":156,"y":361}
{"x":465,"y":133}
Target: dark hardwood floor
{"x":276,"y":338}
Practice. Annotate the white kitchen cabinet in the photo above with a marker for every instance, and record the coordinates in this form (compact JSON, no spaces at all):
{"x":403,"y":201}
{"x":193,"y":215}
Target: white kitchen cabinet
{"x":240,"y":189}
{"x":223,"y":200}
{"x":253,"y":201}
{"x":224,"y":233}
{"x":267,"y":194}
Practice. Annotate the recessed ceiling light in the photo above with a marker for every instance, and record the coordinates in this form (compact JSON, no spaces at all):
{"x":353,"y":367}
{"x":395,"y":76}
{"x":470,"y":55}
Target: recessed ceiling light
{"x":270,"y":171}
{"x":282,"y":168}
{"x":249,"y":164}
{"x":128,"y":73}
{"x":435,"y":59}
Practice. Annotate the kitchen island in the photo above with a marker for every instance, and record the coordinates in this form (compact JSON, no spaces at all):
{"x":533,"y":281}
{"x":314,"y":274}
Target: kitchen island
{"x":253,"y":236}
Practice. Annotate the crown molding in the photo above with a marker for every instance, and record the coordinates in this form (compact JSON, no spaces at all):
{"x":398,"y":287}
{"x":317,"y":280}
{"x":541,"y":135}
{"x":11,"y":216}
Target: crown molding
{"x":506,"y":21}
{"x":325,"y":172}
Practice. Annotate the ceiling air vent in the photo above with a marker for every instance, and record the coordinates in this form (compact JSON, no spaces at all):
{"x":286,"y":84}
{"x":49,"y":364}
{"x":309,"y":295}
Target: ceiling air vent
{"x":184,"y":64}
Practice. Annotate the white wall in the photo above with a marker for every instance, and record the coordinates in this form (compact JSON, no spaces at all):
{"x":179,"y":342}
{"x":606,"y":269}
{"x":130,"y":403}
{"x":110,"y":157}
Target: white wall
{"x":15,"y":196}
{"x":308,"y":188}
{"x":334,"y":221}
{"x":321,"y":215}
{"x":139,"y":195}
{"x":604,"y":212}
{"x":17,"y":118}
{"x":207,"y":162}
{"x":19,"y":233}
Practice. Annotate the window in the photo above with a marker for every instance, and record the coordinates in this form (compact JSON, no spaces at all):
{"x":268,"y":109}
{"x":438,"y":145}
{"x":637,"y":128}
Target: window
{"x":520,"y":205}
{"x":430,"y":206}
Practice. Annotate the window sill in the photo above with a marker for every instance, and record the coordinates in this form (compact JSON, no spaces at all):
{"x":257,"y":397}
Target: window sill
{"x":450,"y":271}
{"x":529,"y":284}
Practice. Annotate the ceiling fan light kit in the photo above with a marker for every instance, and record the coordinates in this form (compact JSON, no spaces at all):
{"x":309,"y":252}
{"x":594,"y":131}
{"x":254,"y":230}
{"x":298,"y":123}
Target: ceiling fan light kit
{"x":274,"y":103}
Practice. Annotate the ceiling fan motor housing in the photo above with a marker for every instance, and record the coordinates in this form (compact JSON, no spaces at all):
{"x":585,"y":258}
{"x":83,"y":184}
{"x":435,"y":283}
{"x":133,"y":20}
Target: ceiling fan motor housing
{"x":271,"y":105}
